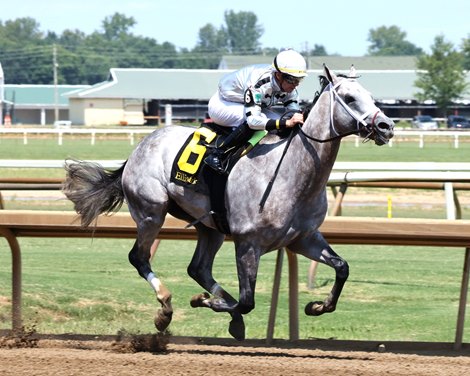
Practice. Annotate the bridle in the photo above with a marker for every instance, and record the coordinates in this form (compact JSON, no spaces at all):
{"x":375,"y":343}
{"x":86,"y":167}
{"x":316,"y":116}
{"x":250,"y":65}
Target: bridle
{"x":360,"y":119}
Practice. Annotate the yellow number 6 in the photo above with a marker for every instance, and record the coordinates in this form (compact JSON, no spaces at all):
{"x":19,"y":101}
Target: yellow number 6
{"x":194,"y":147}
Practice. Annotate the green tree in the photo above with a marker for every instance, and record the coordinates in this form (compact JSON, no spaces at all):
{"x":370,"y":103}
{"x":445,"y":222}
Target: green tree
{"x":441,"y":77}
{"x":26,"y":51}
{"x":70,"y":62}
{"x":211,"y":45}
{"x":71,"y":39}
{"x":318,"y":50}
{"x":211,"y":39}
{"x":24,"y":30}
{"x":390,"y":41}
{"x":270,"y":51}
{"x":26,"y":58}
{"x":466,"y":53}
{"x":239,"y":35}
{"x":117,"y":26}
{"x":243,"y":32}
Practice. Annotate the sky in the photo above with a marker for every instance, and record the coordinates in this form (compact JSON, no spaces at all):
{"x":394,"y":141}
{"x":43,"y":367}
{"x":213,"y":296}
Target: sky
{"x":342,"y":28}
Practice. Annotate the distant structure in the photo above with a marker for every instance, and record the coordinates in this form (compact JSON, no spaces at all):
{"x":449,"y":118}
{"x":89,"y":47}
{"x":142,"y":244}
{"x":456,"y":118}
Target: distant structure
{"x":133,"y":96}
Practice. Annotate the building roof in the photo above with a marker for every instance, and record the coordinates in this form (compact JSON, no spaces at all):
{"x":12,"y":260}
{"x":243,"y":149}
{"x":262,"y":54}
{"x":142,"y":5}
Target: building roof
{"x":198,"y":84}
{"x":333,"y":62}
{"x":166,"y":84}
{"x":386,"y":77}
{"x":39,"y":96}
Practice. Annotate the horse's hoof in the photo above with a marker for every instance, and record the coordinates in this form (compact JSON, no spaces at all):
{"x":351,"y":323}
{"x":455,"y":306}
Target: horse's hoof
{"x":237,"y":328}
{"x":314,"y":308}
{"x":200,"y":300}
{"x":162,"y":320}
{"x":318,"y":308}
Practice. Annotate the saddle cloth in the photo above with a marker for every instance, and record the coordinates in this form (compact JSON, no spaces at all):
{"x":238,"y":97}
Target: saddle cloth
{"x":188,"y":169}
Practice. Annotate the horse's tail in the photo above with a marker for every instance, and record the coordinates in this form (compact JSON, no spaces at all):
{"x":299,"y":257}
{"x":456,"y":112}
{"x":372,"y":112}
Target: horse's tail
{"x":92,"y":189}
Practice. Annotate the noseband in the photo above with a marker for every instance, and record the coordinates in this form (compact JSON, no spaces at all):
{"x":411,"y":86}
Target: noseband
{"x":360,"y":119}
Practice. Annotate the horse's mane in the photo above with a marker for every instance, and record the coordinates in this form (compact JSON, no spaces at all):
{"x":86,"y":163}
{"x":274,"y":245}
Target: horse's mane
{"x":323,"y":84}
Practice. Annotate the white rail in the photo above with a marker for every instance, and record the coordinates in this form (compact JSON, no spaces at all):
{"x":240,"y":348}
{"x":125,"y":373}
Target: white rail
{"x":343,"y":172}
{"x":454,"y":135}
{"x":442,"y":135}
{"x":401,"y":166}
{"x":60,"y":132}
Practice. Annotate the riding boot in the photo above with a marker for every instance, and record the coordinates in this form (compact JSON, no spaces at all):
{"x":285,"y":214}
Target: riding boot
{"x":238,"y":136}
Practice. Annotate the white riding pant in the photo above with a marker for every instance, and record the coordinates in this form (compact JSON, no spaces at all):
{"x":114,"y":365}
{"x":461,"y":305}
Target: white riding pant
{"x":232,"y":114}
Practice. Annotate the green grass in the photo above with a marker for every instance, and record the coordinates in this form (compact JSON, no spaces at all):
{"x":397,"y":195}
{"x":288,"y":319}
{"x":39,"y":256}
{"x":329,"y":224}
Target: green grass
{"x":404,"y":151}
{"x":88,"y":286}
{"x":117,"y":147}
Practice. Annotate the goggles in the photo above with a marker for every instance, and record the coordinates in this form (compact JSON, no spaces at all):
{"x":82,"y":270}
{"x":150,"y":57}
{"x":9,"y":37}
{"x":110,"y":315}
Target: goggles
{"x":292,"y":80}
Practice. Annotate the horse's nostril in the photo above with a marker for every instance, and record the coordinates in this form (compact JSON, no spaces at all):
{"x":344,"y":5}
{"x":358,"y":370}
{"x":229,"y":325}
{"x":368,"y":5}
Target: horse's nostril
{"x":384,"y":126}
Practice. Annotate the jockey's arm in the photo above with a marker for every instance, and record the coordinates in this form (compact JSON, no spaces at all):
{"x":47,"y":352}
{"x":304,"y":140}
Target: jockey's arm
{"x":256,"y":119}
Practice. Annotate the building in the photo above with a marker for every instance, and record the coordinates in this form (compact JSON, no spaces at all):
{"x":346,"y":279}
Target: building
{"x":37,"y":104}
{"x":141,"y":96}
{"x":138,"y":96}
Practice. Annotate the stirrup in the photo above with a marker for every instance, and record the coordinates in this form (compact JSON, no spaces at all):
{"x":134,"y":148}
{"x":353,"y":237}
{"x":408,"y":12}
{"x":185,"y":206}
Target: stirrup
{"x":213,"y":161}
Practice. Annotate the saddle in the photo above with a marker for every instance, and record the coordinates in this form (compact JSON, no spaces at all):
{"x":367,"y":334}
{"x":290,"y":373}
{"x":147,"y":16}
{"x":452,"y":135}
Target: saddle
{"x":188,"y":169}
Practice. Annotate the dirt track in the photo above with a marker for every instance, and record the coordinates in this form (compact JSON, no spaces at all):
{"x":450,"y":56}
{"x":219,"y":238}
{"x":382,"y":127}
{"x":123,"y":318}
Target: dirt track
{"x":59,"y":357}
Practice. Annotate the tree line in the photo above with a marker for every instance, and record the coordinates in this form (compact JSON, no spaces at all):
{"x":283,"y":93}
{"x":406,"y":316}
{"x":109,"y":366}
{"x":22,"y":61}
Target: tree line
{"x":28,"y":54}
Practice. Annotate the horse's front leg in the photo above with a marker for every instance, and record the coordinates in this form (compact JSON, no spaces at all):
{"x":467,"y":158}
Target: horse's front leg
{"x":247,"y":256}
{"x":315,"y":247}
{"x":200,"y":269}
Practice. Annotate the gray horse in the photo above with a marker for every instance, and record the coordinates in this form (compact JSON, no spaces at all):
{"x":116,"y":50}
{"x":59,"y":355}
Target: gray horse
{"x":290,"y":217}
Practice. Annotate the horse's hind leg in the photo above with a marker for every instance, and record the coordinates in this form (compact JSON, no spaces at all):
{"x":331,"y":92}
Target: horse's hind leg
{"x":139,"y":257}
{"x":315,"y":247}
{"x":200,"y":269}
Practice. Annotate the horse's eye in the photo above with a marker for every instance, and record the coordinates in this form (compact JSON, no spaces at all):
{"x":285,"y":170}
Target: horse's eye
{"x":349,"y":99}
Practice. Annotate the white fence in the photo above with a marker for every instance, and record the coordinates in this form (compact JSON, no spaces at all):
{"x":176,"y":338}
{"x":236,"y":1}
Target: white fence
{"x":454,"y":136}
{"x":442,"y":135}
{"x":60,"y":132}
{"x":343,"y":172}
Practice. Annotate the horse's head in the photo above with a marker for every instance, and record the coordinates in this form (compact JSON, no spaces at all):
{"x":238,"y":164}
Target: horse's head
{"x":353,"y":106}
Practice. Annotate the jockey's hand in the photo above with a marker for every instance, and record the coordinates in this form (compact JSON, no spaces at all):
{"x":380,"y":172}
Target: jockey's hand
{"x":294,"y":120}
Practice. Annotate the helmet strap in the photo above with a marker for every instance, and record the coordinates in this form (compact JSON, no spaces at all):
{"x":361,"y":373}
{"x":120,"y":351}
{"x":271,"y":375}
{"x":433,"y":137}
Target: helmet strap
{"x":275,"y":64}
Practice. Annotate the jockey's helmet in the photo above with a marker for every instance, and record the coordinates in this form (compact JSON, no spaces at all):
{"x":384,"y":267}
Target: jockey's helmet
{"x":291,"y":63}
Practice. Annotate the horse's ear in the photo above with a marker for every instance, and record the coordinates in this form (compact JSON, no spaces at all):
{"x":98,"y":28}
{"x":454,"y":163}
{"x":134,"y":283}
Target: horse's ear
{"x":327,"y":73}
{"x":352,"y":71}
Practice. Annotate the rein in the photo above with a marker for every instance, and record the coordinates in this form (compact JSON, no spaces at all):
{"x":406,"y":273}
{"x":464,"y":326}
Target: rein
{"x":271,"y":182}
{"x":321,"y":141}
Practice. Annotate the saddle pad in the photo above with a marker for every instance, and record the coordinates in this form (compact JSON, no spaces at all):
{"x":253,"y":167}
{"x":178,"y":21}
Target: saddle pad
{"x":188,"y":162}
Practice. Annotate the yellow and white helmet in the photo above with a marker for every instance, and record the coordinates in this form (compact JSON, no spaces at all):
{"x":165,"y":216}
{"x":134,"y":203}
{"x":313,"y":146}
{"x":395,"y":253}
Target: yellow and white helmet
{"x":290,"y":62}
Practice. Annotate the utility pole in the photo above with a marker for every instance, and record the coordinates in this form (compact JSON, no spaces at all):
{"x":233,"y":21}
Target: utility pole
{"x":307,"y":54}
{"x":2,"y":85}
{"x":56,"y":92}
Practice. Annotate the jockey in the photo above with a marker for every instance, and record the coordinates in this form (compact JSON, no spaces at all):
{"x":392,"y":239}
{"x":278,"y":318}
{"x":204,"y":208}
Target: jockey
{"x":244,"y":99}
